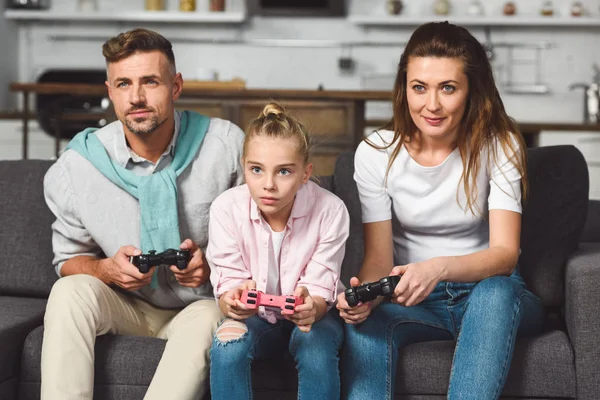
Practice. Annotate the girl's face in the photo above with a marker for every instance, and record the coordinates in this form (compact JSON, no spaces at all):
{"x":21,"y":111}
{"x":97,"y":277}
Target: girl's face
{"x":274,"y":171}
{"x":437,"y":91}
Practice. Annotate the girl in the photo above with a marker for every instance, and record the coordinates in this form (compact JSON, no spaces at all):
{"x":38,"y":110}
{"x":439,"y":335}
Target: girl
{"x":280,"y":234}
{"x":450,"y":167}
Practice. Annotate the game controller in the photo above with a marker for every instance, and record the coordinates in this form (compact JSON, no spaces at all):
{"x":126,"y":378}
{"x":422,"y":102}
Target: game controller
{"x":370,"y":291}
{"x":144,"y":262}
{"x":253,"y":298}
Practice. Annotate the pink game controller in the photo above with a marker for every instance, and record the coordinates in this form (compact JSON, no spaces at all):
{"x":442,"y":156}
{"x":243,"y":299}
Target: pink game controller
{"x":252,"y":299}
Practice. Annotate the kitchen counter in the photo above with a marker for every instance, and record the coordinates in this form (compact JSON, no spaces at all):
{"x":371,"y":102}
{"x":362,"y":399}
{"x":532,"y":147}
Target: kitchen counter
{"x":231,"y":99}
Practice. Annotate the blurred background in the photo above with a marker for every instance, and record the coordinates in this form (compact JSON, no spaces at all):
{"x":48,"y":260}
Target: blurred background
{"x":333,"y":62}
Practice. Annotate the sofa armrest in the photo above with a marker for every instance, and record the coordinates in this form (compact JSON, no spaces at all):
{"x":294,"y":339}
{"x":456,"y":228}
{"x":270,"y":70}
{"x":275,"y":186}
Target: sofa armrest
{"x":582,"y":304}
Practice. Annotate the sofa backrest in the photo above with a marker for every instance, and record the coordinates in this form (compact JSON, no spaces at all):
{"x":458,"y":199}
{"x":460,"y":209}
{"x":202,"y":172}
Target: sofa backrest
{"x":345,"y":188}
{"x":25,"y":233}
{"x":553,"y":217}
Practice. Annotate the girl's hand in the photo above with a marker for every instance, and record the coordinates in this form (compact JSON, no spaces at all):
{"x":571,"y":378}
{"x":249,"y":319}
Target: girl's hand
{"x":417,"y":282}
{"x":305,"y":314}
{"x":353,"y":315}
{"x":232,"y":306}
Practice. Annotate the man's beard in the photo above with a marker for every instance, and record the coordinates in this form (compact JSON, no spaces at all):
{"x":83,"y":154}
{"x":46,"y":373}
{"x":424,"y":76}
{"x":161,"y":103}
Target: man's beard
{"x":136,"y":128}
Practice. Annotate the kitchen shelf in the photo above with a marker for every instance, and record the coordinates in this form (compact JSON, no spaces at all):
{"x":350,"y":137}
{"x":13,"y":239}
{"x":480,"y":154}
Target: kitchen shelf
{"x":228,"y":17}
{"x":400,"y":20}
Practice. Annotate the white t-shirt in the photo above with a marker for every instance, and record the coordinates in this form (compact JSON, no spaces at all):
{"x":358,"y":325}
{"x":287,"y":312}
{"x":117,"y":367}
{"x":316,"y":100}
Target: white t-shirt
{"x":273,"y":286}
{"x":426,"y":201}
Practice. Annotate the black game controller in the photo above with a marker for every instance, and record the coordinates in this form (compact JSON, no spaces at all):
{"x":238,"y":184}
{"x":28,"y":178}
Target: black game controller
{"x":144,"y":262}
{"x":370,"y":291}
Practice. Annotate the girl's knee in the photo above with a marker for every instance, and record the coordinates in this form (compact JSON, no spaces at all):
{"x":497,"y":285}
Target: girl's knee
{"x":230,"y":330}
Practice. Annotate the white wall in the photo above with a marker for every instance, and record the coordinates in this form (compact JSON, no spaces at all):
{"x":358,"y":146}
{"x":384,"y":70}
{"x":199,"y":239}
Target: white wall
{"x":574,"y":50}
{"x":9,"y":46}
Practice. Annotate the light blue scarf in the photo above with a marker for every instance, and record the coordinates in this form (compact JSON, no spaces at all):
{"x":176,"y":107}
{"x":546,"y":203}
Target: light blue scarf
{"x":157,"y":193}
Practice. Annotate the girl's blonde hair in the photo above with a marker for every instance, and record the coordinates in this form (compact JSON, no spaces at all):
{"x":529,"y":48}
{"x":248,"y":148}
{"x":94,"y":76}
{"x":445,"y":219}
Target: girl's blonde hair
{"x":275,"y":122}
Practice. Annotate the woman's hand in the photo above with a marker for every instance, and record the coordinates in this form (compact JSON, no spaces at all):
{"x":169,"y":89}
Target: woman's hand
{"x":231,"y":305}
{"x":418,"y":281}
{"x":353,"y":315}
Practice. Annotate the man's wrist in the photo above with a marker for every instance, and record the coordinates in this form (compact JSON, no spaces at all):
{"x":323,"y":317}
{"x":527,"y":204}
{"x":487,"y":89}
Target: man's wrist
{"x":100,"y":270}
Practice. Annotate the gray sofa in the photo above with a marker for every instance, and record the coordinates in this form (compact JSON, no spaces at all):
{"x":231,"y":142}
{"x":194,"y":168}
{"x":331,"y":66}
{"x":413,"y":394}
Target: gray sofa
{"x":560,"y":261}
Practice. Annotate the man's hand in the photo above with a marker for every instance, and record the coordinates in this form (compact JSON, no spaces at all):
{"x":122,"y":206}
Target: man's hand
{"x":353,"y":315}
{"x":117,"y":270}
{"x":417,"y":282}
{"x":197,"y":271}
{"x":305,"y":314}
{"x":231,"y":305}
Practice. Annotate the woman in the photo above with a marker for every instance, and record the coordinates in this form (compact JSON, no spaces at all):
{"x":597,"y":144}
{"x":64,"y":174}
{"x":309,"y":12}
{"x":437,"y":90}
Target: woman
{"x":450,"y":167}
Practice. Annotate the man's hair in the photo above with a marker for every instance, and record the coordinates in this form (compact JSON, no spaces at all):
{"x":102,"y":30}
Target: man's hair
{"x":137,"y":40}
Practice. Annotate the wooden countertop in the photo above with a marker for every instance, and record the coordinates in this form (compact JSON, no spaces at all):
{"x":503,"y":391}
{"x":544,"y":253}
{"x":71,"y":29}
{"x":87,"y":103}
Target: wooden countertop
{"x":98,"y":89}
{"x":262,"y":94}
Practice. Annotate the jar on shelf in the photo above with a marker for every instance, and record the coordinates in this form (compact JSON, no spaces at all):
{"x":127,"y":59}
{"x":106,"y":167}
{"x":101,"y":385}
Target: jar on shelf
{"x":217,"y":5}
{"x":155,"y":5}
{"x":475,"y":9}
{"x":577,"y":9}
{"x":441,"y":7}
{"x":87,"y":6}
{"x":509,"y":8}
{"x":547,"y":9}
{"x":394,"y":7}
{"x":187,"y":5}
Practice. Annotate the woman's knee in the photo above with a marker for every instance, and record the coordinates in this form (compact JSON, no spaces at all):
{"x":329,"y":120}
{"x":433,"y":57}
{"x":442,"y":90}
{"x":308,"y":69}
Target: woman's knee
{"x":495,"y":293}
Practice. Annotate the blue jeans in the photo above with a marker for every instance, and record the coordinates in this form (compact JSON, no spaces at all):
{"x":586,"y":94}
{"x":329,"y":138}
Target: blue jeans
{"x":316,"y":354}
{"x":485,"y":318}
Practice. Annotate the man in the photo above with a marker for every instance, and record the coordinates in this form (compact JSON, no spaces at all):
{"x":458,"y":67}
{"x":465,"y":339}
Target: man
{"x":144,"y":182}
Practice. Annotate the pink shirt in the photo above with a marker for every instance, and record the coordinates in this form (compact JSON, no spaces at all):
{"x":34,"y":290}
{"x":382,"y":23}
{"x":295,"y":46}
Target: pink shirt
{"x":240,"y":245}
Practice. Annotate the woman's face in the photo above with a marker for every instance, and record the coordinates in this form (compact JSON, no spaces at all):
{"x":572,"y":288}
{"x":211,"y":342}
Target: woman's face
{"x":437,"y":91}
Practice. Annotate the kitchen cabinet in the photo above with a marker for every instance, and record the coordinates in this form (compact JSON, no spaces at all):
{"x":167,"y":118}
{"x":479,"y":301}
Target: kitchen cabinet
{"x":333,"y":125}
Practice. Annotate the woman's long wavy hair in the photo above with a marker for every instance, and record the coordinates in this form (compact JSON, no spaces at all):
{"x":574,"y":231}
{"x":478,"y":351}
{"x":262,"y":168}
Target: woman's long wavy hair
{"x":485,"y":121}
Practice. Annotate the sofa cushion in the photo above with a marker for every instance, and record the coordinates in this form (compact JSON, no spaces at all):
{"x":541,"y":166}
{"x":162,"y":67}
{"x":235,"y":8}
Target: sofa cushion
{"x":542,"y":367}
{"x":553,"y":218}
{"x":25,"y":233}
{"x":18,"y":317}
{"x":124,"y":361}
{"x":124,"y":364}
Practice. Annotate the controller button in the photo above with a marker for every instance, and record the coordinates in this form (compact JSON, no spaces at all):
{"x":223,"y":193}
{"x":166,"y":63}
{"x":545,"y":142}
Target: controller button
{"x":250,"y":301}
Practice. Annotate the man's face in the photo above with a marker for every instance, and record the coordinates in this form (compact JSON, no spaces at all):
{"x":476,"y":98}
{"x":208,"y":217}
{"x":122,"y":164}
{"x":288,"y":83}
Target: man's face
{"x":143,"y":88}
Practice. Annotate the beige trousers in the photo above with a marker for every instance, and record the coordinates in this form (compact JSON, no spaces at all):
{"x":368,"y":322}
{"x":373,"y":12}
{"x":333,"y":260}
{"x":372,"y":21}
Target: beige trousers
{"x":81,"y":307}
